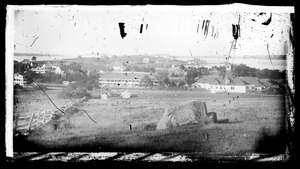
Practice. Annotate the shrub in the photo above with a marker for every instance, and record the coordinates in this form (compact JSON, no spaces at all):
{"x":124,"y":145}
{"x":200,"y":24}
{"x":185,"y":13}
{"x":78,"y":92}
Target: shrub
{"x":89,"y":86}
{"x":17,"y":86}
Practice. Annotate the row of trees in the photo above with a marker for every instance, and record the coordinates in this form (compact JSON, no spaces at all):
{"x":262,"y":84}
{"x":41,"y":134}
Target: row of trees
{"x":73,"y":72}
{"x":244,"y":70}
{"x":165,"y":82}
{"x":237,"y":71}
{"x":138,"y":68}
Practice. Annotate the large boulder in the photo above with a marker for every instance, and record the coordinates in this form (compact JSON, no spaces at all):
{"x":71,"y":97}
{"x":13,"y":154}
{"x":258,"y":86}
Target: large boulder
{"x":182,"y":114}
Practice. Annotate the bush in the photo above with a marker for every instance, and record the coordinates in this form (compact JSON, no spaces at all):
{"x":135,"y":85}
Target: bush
{"x":88,"y":86}
{"x":17,"y":86}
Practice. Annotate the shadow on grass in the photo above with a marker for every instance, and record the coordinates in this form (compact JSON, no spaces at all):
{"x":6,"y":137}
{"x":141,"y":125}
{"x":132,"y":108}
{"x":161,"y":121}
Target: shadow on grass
{"x":271,"y":143}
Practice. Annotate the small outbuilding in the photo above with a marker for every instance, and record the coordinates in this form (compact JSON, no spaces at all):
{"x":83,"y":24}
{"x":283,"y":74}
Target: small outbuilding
{"x":126,"y":95}
{"x":106,"y":89}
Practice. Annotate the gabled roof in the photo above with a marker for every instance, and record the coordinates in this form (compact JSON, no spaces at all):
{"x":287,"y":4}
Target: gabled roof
{"x":25,"y":61}
{"x":126,"y":93}
{"x":251,"y":81}
{"x":219,"y":80}
{"x":237,"y":82}
{"x":211,"y":79}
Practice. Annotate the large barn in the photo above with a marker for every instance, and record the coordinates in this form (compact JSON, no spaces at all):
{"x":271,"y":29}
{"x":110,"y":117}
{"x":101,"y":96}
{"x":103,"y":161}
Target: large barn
{"x":125,"y":79}
{"x":217,"y":83}
{"x":252,"y":83}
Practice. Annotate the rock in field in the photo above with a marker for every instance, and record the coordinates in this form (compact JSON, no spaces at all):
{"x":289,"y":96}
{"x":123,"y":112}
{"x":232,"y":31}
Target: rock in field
{"x":185,"y":113}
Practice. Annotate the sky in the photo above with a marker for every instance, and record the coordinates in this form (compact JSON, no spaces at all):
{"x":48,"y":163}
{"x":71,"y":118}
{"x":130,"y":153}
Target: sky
{"x":172,"y":30}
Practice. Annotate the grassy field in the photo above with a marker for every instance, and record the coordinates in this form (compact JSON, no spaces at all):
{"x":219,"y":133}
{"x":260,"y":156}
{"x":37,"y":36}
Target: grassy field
{"x":256,"y":124}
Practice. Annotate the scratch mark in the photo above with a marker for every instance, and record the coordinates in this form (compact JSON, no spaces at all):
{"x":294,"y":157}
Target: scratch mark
{"x":269,"y":54}
{"x":203,"y":24}
{"x":74,"y":23}
{"x":122,"y":31}
{"x":34,"y":41}
{"x":197,"y":27}
{"x":253,"y":20}
{"x":268,"y":21}
{"x":146,"y":26}
{"x":262,"y":13}
{"x":271,"y":35}
{"x":60,"y":15}
{"x":191,"y":53}
{"x":82,"y":71}
{"x":141,"y":28}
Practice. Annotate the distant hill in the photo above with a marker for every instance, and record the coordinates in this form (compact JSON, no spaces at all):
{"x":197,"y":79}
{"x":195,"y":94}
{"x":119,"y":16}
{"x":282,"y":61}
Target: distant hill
{"x":34,"y":54}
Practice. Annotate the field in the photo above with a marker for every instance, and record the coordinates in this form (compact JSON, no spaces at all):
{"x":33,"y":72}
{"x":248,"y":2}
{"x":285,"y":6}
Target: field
{"x":256,"y":123}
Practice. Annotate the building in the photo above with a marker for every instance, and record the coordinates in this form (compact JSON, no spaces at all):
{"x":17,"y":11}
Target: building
{"x":116,"y":66}
{"x":126,"y":95}
{"x":58,"y":70}
{"x":125,"y":79}
{"x":146,"y":60}
{"x":26,"y":61}
{"x":252,"y":83}
{"x":40,"y":70}
{"x":19,"y":79}
{"x":106,"y":89}
{"x":66,"y":83}
{"x":216,"y":83}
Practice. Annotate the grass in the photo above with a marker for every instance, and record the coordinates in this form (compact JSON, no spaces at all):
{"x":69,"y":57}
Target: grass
{"x":254,"y":120}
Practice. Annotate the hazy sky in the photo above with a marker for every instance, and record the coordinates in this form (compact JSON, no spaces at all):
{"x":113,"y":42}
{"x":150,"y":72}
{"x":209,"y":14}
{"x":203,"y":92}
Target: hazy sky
{"x":171,"y":30}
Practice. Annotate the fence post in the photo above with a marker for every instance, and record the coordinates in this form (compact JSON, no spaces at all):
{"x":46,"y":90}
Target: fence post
{"x":31,"y":118}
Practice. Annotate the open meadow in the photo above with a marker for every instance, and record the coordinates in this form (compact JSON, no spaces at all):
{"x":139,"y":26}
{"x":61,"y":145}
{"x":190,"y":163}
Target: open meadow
{"x":256,"y":123}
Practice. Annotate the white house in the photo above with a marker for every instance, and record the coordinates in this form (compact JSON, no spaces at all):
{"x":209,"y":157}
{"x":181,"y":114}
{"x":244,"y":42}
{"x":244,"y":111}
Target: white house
{"x":58,"y":70}
{"x":216,"y":84}
{"x":116,"y":66}
{"x":19,"y":79}
{"x":146,"y":60}
{"x":66,"y":83}
{"x":40,"y":70}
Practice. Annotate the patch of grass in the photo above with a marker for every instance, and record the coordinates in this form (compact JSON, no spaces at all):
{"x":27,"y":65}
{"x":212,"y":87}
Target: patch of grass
{"x":246,"y":116}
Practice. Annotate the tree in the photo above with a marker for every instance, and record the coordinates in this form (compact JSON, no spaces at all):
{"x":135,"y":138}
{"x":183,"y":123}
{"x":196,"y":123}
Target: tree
{"x":166,"y":81}
{"x":162,"y":77}
{"x":173,"y":84}
{"x":181,"y":84}
{"x":75,"y":66}
{"x":182,"y":67}
{"x":146,"y":81}
{"x":191,"y":75}
{"x":33,"y":58}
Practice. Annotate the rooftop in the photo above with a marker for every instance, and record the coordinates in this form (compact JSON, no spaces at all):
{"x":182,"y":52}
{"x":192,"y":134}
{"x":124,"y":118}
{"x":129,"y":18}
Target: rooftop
{"x":219,"y":80}
{"x":251,"y":81}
